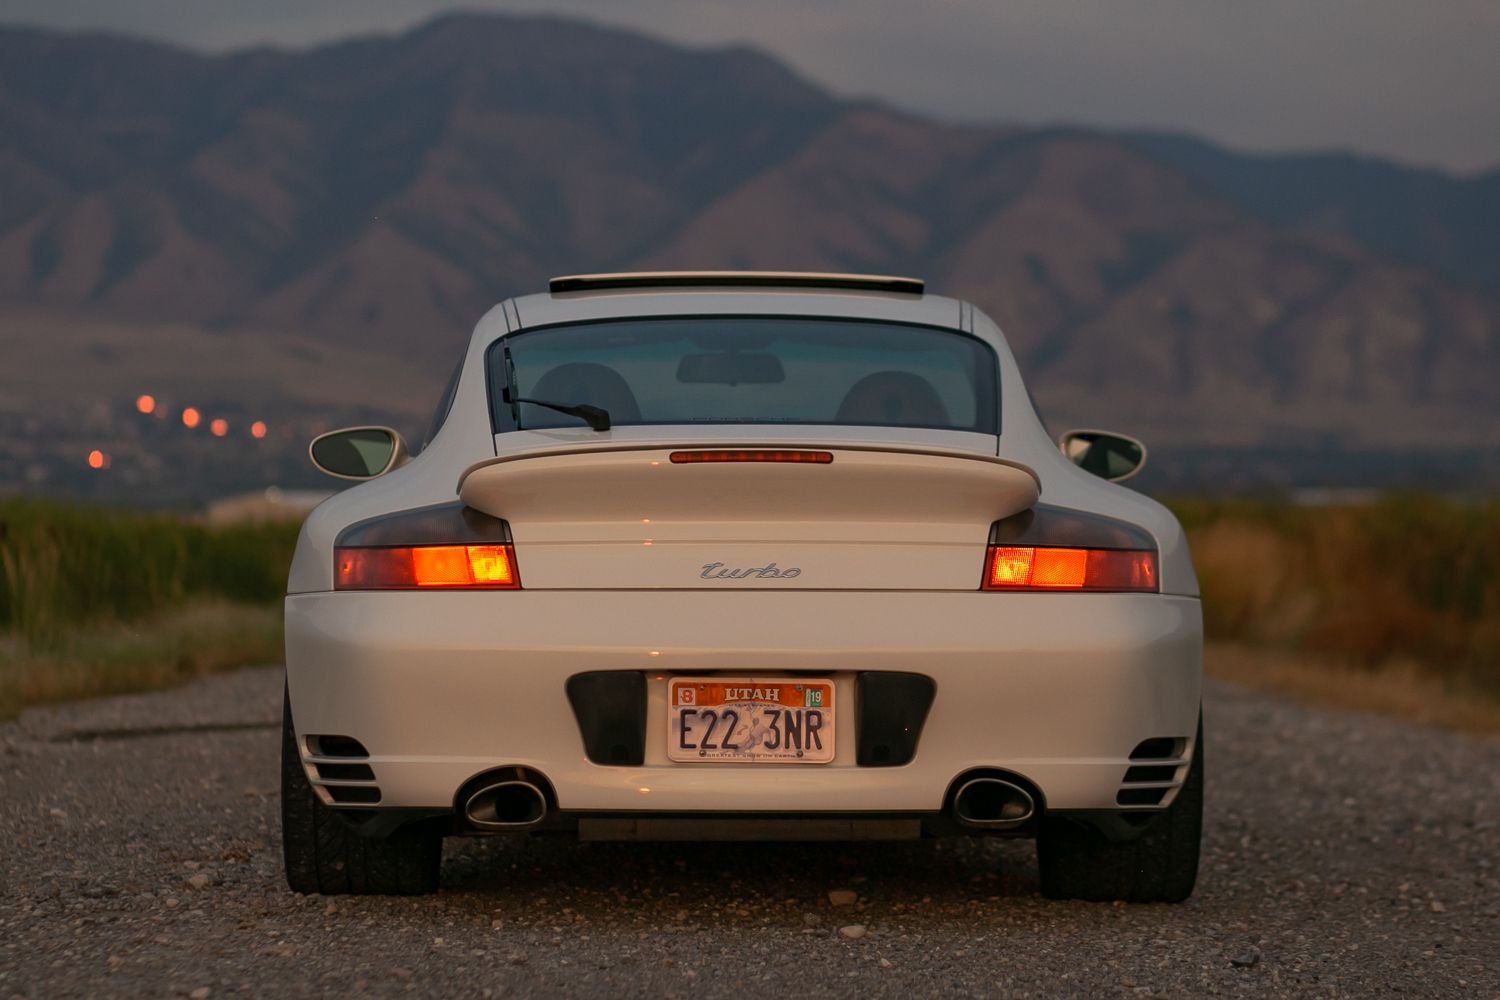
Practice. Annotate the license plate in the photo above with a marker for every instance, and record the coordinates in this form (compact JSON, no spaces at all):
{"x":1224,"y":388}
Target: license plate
{"x":750,"y":720}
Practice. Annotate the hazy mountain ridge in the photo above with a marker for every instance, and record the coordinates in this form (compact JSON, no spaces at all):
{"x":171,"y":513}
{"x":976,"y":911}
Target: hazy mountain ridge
{"x":381,"y":193}
{"x":1419,"y":216}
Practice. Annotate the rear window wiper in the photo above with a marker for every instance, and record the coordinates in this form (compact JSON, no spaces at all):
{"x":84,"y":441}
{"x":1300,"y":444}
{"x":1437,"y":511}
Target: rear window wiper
{"x":595,"y":416}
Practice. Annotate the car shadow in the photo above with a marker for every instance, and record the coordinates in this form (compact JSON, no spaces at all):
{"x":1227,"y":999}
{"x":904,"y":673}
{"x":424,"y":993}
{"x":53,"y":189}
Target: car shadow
{"x":697,"y":883}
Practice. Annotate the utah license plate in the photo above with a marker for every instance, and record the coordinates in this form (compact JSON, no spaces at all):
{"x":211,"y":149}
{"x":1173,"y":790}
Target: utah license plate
{"x":750,"y":720}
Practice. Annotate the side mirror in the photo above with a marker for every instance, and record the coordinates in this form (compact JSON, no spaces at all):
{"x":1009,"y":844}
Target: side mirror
{"x":1107,"y":455}
{"x":358,"y":452}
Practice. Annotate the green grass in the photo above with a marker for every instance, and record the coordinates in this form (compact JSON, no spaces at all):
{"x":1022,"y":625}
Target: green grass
{"x":63,"y":565}
{"x":96,"y":601}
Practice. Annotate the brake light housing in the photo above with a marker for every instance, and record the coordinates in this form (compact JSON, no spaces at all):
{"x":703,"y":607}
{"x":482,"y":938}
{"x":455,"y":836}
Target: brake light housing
{"x":1050,"y":549}
{"x":446,"y":547}
{"x":753,"y":455}
{"x":427,"y":567}
{"x":1036,"y":568}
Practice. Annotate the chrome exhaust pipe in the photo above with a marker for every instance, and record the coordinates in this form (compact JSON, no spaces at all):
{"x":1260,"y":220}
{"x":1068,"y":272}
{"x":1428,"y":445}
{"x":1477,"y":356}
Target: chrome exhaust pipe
{"x":506,"y":805}
{"x":992,"y":803}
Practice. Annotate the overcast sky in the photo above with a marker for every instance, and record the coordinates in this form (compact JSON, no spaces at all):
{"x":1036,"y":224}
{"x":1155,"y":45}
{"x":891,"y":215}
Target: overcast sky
{"x":1417,"y":80}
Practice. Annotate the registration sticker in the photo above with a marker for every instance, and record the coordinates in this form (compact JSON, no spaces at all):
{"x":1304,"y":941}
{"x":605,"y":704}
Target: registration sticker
{"x":750,"y":720}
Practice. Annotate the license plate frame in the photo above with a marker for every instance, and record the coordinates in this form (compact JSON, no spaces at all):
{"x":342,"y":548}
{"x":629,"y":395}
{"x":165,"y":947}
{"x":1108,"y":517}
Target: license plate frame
{"x":776,"y":720}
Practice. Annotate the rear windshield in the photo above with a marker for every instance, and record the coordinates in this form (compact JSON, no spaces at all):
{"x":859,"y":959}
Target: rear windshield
{"x":746,"y":370}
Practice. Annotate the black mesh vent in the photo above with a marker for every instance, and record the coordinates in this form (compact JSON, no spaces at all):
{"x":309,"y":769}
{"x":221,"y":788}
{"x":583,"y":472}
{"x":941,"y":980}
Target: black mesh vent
{"x":345,"y":772}
{"x":1158,"y":772}
{"x":1159,"y":748}
{"x":892,"y":710}
{"x":366,"y":795}
{"x":610,"y":706}
{"x":336,"y":746}
{"x":1141,"y":796}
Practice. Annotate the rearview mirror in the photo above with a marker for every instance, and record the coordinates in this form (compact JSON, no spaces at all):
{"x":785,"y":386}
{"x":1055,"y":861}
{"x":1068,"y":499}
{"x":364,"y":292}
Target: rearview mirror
{"x":358,"y":452}
{"x":731,"y":368}
{"x":1111,"y":456}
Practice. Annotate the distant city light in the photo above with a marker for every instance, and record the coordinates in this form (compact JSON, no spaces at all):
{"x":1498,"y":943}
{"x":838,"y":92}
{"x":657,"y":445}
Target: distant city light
{"x":191,"y":417}
{"x":97,"y":459}
{"x":219,"y":427}
{"x":258,"y":429}
{"x":146,"y":404}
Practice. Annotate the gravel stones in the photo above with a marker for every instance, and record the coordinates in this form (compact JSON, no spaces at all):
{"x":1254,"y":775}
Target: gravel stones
{"x":1299,"y":894}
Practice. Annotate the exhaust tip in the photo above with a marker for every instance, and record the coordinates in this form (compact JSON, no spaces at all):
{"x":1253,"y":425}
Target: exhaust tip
{"x":506,"y":805}
{"x":992,"y":803}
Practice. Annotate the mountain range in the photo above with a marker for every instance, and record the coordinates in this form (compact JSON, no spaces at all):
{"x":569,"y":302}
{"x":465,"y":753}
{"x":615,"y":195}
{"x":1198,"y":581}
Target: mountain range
{"x":372,"y":198}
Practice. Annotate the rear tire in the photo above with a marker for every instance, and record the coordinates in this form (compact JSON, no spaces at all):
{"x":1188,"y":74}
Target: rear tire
{"x":1161,"y":866}
{"x":323,"y":855}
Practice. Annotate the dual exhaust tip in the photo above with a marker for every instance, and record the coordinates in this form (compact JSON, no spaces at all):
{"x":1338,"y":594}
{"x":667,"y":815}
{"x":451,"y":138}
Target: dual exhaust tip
{"x":992,"y":803}
{"x":517,"y":802}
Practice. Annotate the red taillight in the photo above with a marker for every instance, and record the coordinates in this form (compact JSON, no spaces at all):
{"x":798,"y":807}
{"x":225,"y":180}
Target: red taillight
{"x":1037,"y":568}
{"x":473,"y":567}
{"x":757,"y":455}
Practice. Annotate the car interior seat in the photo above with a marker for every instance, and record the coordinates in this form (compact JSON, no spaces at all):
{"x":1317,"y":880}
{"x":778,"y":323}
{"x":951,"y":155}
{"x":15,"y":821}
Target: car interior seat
{"x":897,"y":398}
{"x":593,"y":384}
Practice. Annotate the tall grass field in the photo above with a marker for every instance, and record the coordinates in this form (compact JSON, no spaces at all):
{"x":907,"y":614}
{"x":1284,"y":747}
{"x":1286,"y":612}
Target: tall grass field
{"x":98,"y":601}
{"x":1393,"y":605}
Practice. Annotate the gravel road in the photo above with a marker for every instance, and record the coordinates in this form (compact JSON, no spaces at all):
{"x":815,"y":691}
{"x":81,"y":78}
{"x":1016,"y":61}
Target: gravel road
{"x":1345,"y":855}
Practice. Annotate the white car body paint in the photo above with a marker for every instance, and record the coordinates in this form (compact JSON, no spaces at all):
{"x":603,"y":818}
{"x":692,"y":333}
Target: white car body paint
{"x":1055,"y":687}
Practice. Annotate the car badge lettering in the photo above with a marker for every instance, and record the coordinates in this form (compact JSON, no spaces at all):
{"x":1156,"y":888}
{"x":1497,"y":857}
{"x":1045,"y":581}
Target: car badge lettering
{"x":752,"y":694}
{"x":770,"y":571}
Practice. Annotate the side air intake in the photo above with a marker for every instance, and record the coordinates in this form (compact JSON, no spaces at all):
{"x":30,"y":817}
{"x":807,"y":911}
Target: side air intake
{"x":340,"y":770}
{"x":1147,"y":785}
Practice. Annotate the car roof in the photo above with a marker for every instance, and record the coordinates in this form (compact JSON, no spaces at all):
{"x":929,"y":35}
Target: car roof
{"x":584,"y":298}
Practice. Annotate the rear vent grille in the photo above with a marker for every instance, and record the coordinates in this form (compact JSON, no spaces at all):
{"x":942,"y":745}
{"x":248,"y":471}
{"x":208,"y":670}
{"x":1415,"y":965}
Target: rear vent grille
{"x":336,"y":746}
{"x":892,"y":708}
{"x":1148,"y":784}
{"x":610,"y":706}
{"x":1141,"y":796}
{"x":352,"y":772}
{"x":353,"y":795}
{"x":1158,"y":748}
{"x":339,"y":772}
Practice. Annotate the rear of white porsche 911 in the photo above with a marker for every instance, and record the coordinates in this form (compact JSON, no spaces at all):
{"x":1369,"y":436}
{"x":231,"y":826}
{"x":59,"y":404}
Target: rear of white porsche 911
{"x":739,"y":557}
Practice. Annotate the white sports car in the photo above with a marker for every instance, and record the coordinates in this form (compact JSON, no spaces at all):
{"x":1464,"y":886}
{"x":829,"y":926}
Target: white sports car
{"x":741,"y":556}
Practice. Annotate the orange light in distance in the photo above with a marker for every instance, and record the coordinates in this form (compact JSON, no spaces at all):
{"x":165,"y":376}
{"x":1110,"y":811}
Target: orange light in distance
{"x":145,"y":404}
{"x":218,"y":427}
{"x":191,"y":418}
{"x":258,"y":429}
{"x":488,"y":567}
{"x":97,"y":459}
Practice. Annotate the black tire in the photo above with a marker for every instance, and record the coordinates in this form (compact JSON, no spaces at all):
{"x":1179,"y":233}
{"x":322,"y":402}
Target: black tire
{"x":1161,"y":866}
{"x":323,"y":855}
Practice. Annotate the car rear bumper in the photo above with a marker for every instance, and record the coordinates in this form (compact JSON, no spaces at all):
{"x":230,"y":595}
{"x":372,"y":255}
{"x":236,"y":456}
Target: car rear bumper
{"x":440,"y":687}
